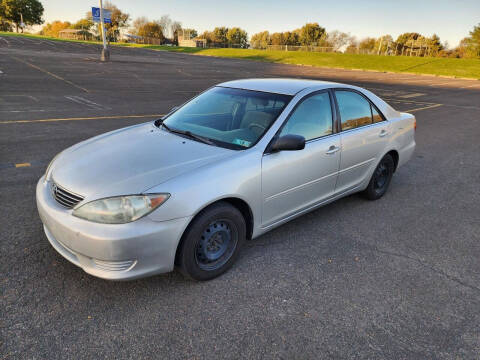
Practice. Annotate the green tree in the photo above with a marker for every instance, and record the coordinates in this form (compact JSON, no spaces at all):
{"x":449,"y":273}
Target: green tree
{"x":260,"y":40}
{"x":220,"y":35}
{"x":291,"y":38}
{"x":434,"y":44}
{"x":5,"y":25}
{"x":383,"y":44}
{"x":473,"y":43}
{"x":277,"y":39}
{"x":311,"y":34}
{"x":83,"y":24}
{"x":238,"y":37}
{"x":367,"y":45}
{"x":13,"y":10}
{"x":404,"y":39}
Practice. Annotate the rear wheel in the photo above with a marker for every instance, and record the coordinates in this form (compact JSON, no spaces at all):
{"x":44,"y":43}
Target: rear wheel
{"x":212,"y":242}
{"x":381,"y":178}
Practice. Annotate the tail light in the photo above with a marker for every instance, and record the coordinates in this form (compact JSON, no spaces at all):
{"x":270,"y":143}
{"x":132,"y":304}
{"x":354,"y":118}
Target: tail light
{"x":415,"y":124}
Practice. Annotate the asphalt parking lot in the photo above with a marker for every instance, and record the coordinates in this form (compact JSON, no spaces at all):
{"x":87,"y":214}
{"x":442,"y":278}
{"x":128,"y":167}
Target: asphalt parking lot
{"x":398,"y":278}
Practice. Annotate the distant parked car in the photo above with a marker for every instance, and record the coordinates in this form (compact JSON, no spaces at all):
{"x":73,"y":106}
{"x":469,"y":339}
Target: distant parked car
{"x":234,"y":162}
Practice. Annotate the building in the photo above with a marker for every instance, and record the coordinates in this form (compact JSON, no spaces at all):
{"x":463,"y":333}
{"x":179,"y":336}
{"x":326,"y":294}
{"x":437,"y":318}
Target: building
{"x":187,"y":41}
{"x":75,"y":34}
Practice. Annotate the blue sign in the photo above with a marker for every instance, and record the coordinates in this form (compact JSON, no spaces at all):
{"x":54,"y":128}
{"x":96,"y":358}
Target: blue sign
{"x":107,"y":14}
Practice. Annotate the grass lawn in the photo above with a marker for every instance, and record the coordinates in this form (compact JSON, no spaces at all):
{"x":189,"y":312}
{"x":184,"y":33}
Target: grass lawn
{"x":467,"y":68}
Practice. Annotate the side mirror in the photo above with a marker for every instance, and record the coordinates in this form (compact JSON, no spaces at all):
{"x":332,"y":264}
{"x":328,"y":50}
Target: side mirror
{"x":288,"y":143}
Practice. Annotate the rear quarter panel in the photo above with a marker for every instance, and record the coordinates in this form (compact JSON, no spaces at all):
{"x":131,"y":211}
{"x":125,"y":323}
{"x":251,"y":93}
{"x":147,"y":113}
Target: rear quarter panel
{"x":402,"y":130}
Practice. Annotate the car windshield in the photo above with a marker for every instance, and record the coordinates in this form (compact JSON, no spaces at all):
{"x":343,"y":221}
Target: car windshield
{"x":227,"y":117}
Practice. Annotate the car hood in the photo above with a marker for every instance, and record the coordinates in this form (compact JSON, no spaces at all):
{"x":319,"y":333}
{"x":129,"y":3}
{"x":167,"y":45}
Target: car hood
{"x":129,"y":161}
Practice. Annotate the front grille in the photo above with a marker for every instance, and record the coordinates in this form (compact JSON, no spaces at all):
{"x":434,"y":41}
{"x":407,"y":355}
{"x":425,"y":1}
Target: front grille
{"x":65,"y":197}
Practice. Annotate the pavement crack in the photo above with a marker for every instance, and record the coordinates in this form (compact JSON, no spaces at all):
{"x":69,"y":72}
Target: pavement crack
{"x":430,"y":267}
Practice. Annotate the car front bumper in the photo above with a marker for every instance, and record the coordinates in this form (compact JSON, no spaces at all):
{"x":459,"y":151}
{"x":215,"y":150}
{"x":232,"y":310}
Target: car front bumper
{"x":110,"y":251}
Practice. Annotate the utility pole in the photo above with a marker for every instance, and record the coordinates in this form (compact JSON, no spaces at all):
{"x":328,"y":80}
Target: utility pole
{"x":105,"y":52}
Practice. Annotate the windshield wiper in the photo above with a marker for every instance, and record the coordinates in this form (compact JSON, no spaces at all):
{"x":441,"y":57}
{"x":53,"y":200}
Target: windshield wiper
{"x":188,"y":134}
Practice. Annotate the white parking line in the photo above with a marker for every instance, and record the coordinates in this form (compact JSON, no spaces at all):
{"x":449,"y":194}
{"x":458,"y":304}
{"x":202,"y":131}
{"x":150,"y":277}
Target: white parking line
{"x":86,"y":102}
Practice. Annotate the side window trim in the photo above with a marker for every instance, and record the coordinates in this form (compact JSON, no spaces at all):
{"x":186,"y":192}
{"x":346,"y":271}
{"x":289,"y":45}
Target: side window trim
{"x":372,"y":106}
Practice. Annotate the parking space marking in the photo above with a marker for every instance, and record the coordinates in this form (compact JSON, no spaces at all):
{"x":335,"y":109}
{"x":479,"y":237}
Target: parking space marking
{"x":423,"y":108}
{"x":83,"y":118}
{"x":407,"y":96}
{"x":86,"y":102}
{"x":51,"y":74}
{"x":23,"y":165}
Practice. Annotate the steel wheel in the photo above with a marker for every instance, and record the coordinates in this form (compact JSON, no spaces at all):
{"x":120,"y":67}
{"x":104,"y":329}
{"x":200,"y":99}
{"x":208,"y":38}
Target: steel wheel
{"x":216,"y":244}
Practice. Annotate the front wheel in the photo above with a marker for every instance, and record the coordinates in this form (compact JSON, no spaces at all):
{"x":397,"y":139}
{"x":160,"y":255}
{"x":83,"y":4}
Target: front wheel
{"x":381,"y":178}
{"x":212,"y":242}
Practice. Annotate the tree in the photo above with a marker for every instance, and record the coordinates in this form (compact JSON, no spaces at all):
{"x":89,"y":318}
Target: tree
{"x":151,"y":29}
{"x":13,"y":10}
{"x":139,"y":23}
{"x":220,"y":35}
{"x":165,"y":23}
{"x":175,"y":27}
{"x":291,"y":38}
{"x":5,"y":25}
{"x":472,"y":48}
{"x":119,"y":20}
{"x":367,"y":45}
{"x":53,"y":29}
{"x":237,"y":36}
{"x":83,"y":24}
{"x":260,"y":40}
{"x":434,"y":44}
{"x":277,"y":39}
{"x":311,"y":34}
{"x":338,"y":40}
{"x":383,"y":44}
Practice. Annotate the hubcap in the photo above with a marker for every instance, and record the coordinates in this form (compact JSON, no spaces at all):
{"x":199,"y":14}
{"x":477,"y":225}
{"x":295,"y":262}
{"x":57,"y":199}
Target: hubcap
{"x":216,"y":245}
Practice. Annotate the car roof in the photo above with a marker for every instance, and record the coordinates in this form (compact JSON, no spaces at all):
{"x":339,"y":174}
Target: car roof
{"x":279,"y":86}
{"x":294,"y":86}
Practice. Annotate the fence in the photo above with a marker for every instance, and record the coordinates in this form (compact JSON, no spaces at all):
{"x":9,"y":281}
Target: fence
{"x":323,"y":49}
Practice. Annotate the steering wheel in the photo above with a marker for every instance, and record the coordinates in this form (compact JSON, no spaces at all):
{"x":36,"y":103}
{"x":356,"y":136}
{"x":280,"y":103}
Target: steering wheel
{"x":258,"y":126}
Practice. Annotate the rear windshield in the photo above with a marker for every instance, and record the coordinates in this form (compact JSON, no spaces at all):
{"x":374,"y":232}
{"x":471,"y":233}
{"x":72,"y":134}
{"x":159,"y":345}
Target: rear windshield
{"x":232,"y":118}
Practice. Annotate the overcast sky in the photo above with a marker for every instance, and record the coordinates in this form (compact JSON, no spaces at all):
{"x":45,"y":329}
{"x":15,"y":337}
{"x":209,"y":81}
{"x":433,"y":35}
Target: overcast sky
{"x":451,"y":20}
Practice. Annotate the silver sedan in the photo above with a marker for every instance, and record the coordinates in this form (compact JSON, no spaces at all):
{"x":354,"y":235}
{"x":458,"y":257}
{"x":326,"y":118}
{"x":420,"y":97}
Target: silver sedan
{"x":229,"y":165}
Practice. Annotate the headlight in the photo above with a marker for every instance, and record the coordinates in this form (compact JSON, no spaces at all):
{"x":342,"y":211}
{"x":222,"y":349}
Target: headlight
{"x":120,"y":210}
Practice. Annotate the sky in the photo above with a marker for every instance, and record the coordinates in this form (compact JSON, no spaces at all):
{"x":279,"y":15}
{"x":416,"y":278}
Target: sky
{"x":451,"y":20}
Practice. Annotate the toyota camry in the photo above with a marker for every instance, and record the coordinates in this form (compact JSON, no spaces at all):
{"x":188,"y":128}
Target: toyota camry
{"x":234,"y":162}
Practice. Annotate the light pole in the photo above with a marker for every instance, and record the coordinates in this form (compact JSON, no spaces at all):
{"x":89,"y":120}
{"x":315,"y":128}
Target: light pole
{"x":105,"y":52}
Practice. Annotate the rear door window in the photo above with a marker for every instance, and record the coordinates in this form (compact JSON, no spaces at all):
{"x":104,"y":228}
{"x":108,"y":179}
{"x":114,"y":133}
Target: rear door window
{"x":355,"y":110}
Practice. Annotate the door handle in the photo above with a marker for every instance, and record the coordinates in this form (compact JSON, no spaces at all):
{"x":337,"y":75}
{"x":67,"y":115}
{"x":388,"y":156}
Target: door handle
{"x":332,"y":150}
{"x":383,"y":133}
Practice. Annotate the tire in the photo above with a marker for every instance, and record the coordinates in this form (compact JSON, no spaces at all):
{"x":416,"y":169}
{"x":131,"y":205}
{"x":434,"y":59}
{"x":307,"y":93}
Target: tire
{"x":381,"y":177}
{"x":212,"y":242}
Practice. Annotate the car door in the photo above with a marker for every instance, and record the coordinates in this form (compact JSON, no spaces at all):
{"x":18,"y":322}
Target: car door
{"x":296,"y":180}
{"x":364,"y":135}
